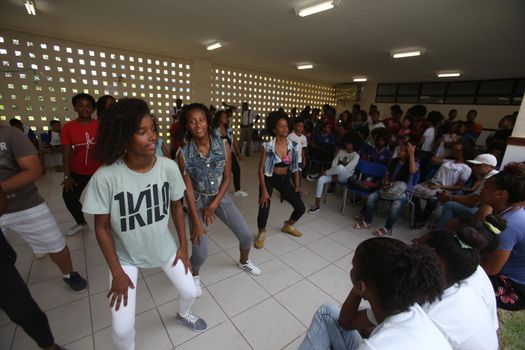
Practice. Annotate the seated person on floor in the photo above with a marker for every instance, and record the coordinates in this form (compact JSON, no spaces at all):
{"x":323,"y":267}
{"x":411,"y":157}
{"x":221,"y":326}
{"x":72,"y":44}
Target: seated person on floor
{"x":451,"y":176}
{"x":322,"y":146}
{"x":394,"y":188}
{"x":505,"y":194}
{"x":51,"y":144}
{"x":483,"y":167}
{"x":395,"y":278}
{"x":343,"y":167}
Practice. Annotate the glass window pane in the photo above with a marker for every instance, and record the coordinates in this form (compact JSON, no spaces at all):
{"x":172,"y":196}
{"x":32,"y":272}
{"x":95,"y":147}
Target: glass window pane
{"x":493,"y":100}
{"x":431,"y":99}
{"x":408,"y":89}
{"x":433,"y":89}
{"x":407,"y":99}
{"x":385,"y":99}
{"x":496,"y":87}
{"x":520,"y":89}
{"x":386,"y":89}
{"x":460,"y":99}
{"x":462,"y":88}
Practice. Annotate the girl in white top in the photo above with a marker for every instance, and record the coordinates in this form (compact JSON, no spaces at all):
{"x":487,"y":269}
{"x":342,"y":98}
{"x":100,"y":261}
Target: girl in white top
{"x":393,"y":277}
{"x":343,"y":166}
{"x":132,"y":197}
{"x":461,"y":314}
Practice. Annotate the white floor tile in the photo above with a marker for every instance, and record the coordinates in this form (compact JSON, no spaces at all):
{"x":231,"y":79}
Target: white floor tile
{"x":279,"y":244}
{"x":328,"y":249}
{"x":333,"y":281}
{"x":218,"y":267}
{"x":7,"y":332}
{"x":237,"y":293}
{"x":268,"y":326}
{"x":82,"y":344}
{"x":224,"y":336}
{"x":54,"y":292}
{"x":161,"y":288}
{"x":304,"y":261}
{"x":277,"y":276}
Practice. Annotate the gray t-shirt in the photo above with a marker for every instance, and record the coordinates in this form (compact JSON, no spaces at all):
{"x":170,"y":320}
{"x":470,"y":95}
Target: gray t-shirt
{"x":139,"y":208}
{"x":14,"y":145}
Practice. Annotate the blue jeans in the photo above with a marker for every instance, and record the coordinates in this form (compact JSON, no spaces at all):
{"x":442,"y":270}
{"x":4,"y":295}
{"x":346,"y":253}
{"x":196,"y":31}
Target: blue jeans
{"x":451,"y":210}
{"x":395,"y":209}
{"x":325,"y":332}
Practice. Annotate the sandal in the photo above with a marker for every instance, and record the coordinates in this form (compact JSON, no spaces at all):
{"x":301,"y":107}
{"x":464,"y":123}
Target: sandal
{"x":359,"y":217}
{"x":360,"y":225}
{"x":380,"y":232}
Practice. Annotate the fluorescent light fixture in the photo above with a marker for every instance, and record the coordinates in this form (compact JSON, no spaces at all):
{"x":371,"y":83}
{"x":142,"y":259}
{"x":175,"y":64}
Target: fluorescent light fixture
{"x":448,"y":75}
{"x":305,"y":66}
{"x":358,"y":80}
{"x":213,"y":46}
{"x":30,"y":7}
{"x":310,"y":10}
{"x":407,"y":54}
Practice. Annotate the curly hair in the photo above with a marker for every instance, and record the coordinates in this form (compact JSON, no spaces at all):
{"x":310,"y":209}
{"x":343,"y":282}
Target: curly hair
{"x":273,"y":118}
{"x":81,"y":96}
{"x":459,"y":251}
{"x":184,"y":117}
{"x":488,"y":228}
{"x":101,"y":104}
{"x":399,"y":275}
{"x":512,"y":180}
{"x":121,"y":120}
{"x":216,"y":122}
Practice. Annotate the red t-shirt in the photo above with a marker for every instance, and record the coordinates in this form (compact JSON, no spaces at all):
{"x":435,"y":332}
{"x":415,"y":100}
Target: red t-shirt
{"x":82,"y":137}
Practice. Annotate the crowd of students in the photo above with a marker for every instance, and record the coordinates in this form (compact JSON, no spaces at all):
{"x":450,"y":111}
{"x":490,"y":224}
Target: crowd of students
{"x":471,"y":261}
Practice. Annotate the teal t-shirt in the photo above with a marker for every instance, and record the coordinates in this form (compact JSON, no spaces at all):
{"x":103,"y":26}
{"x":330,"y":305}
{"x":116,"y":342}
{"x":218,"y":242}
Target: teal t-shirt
{"x":139,"y":208}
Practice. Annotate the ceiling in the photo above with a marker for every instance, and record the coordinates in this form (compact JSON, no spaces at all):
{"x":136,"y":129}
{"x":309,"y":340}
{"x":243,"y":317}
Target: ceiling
{"x":484,"y":39}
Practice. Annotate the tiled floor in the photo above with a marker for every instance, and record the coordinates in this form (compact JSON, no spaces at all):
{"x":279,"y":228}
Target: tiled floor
{"x":271,"y":311}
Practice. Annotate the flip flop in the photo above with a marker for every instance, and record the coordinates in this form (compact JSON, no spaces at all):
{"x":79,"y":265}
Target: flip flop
{"x":360,"y":225}
{"x":380,"y":232}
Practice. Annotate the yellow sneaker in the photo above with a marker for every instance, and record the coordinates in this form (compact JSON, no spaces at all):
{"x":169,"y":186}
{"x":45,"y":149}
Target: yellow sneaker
{"x":259,"y":241}
{"x":291,"y":230}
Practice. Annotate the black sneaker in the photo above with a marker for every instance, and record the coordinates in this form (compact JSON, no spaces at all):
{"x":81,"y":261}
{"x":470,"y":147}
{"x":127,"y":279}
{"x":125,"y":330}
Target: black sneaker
{"x":76,"y":282}
{"x":314,"y":210}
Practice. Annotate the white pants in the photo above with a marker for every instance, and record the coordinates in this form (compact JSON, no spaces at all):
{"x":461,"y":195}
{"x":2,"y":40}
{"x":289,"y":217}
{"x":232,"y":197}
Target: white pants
{"x":339,"y":171}
{"x":124,"y":319}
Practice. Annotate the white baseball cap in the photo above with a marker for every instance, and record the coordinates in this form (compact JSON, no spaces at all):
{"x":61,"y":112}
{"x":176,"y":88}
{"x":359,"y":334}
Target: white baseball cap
{"x":485,"y":158}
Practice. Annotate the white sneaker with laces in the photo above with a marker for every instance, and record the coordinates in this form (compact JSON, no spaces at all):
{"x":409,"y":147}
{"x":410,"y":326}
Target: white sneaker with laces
{"x":251,"y":268}
{"x":76,"y":229}
{"x":193,"y":322}
{"x":240,"y":193}
{"x":197,"y":281}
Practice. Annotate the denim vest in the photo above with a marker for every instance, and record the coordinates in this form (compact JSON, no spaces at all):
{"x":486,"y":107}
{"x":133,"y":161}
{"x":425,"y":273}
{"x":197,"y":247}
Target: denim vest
{"x":229,"y":134}
{"x":271,"y":157}
{"x":205,"y":172}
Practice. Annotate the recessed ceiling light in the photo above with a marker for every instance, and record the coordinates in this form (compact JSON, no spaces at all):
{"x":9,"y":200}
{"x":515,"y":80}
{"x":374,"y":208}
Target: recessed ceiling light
{"x":403,"y":54}
{"x":213,"y":46}
{"x":305,"y":66}
{"x":358,"y":80}
{"x":310,"y":10}
{"x":30,"y":7}
{"x":448,"y":75}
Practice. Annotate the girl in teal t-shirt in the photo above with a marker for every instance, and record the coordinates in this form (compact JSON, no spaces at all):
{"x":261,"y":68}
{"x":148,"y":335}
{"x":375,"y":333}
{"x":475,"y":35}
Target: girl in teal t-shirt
{"x":132,"y":197}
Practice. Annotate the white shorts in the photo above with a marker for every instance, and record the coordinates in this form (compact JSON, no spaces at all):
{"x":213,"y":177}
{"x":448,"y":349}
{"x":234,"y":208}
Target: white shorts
{"x":37,"y":227}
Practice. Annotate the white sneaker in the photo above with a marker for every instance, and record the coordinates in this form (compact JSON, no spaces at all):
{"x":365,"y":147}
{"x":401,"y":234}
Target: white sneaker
{"x":198,"y":287}
{"x":251,"y":268}
{"x":240,"y":193}
{"x":76,"y":229}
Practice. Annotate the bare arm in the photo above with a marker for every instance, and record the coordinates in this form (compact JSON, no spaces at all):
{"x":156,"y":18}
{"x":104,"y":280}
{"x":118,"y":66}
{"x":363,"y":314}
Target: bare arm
{"x":495,"y":261}
{"x":198,"y":229}
{"x":226,"y":177}
{"x":350,"y":316}
{"x":67,"y":154}
{"x":177,"y":215}
{"x":30,"y":171}
{"x":120,"y":280}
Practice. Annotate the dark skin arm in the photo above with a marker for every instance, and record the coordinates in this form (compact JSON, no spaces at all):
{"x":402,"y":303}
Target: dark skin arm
{"x":350,"y":317}
{"x":120,"y":281}
{"x":265,"y":197}
{"x":30,"y":171}
{"x":67,"y":154}
{"x":209,"y":211}
{"x":197,"y":229}
{"x":495,"y":261}
{"x":177,"y":215}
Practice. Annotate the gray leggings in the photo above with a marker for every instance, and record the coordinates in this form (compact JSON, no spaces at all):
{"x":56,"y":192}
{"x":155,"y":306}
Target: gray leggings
{"x":228,"y":213}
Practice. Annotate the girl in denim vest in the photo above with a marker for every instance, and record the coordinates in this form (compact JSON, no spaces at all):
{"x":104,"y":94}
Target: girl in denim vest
{"x":205,"y":163}
{"x":278,"y":162}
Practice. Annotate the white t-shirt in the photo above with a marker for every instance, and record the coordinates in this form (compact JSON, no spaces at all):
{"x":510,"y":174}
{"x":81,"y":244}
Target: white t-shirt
{"x":463,"y":320}
{"x":139,"y":208}
{"x":443,"y":152}
{"x":480,"y":282}
{"x":348,"y":160}
{"x":450,"y":172}
{"x":55,"y":138}
{"x":247,"y":117}
{"x":410,"y":330}
{"x":301,"y":142}
{"x":428,"y":139}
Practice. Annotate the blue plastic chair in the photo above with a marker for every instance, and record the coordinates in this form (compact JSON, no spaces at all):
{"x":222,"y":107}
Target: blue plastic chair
{"x":366,"y":169}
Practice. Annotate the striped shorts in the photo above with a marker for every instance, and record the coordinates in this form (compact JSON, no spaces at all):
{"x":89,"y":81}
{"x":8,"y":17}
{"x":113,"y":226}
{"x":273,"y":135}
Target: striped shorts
{"x":37,"y":227}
